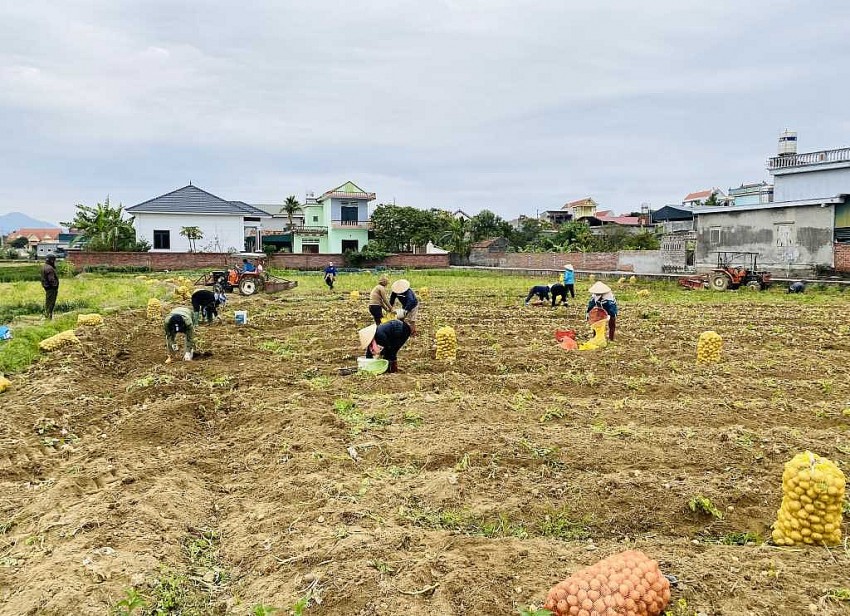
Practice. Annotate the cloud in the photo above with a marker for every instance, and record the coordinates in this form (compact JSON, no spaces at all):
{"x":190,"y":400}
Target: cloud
{"x":512,"y":105}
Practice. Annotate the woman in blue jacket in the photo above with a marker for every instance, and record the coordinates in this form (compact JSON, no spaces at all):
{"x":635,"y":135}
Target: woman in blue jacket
{"x":570,"y":280}
{"x":402,"y":292}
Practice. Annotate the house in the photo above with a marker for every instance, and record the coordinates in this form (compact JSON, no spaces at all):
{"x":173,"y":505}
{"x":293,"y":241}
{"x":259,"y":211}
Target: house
{"x":701,"y":196}
{"x":605,"y":218}
{"x":34,"y":236}
{"x":581,"y":208}
{"x":461,"y":215}
{"x":751,"y":194}
{"x":336,"y":222}
{"x":224,"y":224}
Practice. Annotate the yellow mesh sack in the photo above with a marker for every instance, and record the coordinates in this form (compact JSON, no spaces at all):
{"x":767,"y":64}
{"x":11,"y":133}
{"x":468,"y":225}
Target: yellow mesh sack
{"x":600,"y":336}
{"x":89,"y":319}
{"x":812,"y":497}
{"x":154,"y":309}
{"x":446,"y":344}
{"x":709,"y":346}
{"x":59,"y":340}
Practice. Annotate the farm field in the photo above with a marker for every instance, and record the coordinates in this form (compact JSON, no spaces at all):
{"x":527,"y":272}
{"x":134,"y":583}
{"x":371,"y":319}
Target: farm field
{"x":259,"y":476}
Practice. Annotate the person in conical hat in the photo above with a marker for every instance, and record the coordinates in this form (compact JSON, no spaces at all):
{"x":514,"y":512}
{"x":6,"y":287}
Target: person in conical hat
{"x":379,"y":299}
{"x":570,"y":280}
{"x":602,"y":297}
{"x":385,"y":339}
{"x":402,"y":292}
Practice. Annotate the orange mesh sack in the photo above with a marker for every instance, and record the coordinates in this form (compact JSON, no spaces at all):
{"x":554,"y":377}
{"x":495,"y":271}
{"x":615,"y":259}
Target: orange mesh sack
{"x":627,"y":584}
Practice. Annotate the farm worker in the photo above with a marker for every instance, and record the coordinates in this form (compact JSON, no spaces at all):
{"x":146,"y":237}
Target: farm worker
{"x":50,"y":283}
{"x":379,"y":300}
{"x":797,"y":287}
{"x":258,"y":267}
{"x":559,"y":290}
{"x":602,"y":297}
{"x":247,"y":266}
{"x":540,"y":290}
{"x":330,"y":275}
{"x":386,"y":339}
{"x":570,"y":280}
{"x":205,"y":304}
{"x":233,"y":277}
{"x":402,"y":292}
{"x":181,"y":320}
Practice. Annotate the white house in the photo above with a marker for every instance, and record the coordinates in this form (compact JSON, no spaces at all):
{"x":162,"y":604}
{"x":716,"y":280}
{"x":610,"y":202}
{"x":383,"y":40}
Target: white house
{"x":224,"y":224}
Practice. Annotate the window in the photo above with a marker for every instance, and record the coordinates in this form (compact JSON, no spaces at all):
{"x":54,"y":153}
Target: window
{"x":714,"y":236}
{"x":349,"y":214}
{"x":351,"y":245}
{"x":315,"y":219}
{"x":310,"y":247}
{"x":161,"y":239}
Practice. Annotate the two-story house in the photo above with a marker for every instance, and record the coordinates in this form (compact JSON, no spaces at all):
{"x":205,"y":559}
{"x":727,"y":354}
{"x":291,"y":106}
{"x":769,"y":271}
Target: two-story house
{"x":336,"y":222}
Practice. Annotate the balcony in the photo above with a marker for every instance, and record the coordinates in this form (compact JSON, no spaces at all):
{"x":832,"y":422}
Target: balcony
{"x":351,"y":224}
{"x":824,"y":157}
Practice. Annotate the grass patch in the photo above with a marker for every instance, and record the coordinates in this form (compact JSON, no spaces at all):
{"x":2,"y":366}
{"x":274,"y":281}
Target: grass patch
{"x":10,"y":311}
{"x":560,"y":524}
{"x":22,"y":349}
{"x":703,"y":505}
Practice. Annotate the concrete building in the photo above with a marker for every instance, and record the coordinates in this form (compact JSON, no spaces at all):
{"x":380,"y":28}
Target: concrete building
{"x":700,"y":197}
{"x":335,"y":222}
{"x":792,"y":237}
{"x":751,"y":194}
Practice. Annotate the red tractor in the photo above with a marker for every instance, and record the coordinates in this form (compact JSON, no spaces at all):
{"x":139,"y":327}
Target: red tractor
{"x":738,"y":269}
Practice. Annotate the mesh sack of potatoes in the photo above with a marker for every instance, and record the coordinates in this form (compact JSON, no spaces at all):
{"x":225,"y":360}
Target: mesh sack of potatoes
{"x":4,"y":383}
{"x":446,"y":344}
{"x":628,"y":584}
{"x":812,"y":498}
{"x":154,"y":309}
{"x":58,"y":341}
{"x":354,"y":296}
{"x":89,"y":319}
{"x":709,"y":346}
{"x":425,"y":293}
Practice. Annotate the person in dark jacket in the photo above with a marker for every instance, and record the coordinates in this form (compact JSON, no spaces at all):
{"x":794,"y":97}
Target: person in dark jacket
{"x":602,"y":297}
{"x":330,"y":275}
{"x":540,"y":290}
{"x":205,"y":304}
{"x":50,"y":284}
{"x":181,"y":320}
{"x":402,"y":292}
{"x":559,"y":292}
{"x":797,"y":287}
{"x":387,"y":339}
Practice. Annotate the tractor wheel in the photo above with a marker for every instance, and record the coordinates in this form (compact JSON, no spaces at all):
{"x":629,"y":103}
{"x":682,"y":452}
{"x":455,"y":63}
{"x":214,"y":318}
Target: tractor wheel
{"x":247,"y":286}
{"x":754,"y":285}
{"x":720,"y":282}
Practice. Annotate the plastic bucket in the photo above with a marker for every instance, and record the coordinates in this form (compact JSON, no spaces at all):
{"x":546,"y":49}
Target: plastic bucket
{"x":372,"y":364}
{"x":241,"y":317}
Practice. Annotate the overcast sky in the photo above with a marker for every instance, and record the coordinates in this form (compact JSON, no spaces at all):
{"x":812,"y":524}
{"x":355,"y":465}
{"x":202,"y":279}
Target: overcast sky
{"x":509,"y":105}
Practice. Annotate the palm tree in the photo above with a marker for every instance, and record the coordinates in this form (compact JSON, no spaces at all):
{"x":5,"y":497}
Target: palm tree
{"x":457,"y":237}
{"x":290,"y":207}
{"x":104,"y":229}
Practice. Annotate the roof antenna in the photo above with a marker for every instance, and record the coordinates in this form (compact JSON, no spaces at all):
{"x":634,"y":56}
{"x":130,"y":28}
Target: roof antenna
{"x":190,"y":182}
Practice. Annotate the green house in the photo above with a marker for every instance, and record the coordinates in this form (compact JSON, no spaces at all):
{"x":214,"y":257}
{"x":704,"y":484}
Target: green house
{"x":335,"y":222}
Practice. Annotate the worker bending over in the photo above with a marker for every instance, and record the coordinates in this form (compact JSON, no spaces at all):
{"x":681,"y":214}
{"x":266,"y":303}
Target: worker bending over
{"x":379,"y":300}
{"x":797,"y":287}
{"x":386,"y":339}
{"x":558,"y":292}
{"x":180,"y":321}
{"x":205,"y":304}
{"x":602,"y":297}
{"x":402,"y":292}
{"x":540,"y":290}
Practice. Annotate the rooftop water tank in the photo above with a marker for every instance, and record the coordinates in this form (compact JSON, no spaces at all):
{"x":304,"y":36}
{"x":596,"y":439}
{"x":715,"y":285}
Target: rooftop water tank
{"x":788,"y":143}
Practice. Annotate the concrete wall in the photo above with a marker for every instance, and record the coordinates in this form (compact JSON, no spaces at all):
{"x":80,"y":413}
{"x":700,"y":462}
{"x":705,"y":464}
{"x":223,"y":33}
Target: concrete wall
{"x":160,"y":261}
{"x":640,"y":261}
{"x":788,"y":240}
{"x":585,"y":261}
{"x":811,"y":184}
{"x":220,"y":232}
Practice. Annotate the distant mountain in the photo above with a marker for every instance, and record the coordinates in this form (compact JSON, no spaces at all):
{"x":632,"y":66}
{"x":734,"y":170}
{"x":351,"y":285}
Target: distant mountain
{"x":15,"y":220}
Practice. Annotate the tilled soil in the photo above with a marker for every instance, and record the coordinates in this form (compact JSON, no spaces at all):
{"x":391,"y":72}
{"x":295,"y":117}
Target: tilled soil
{"x":464,"y":489}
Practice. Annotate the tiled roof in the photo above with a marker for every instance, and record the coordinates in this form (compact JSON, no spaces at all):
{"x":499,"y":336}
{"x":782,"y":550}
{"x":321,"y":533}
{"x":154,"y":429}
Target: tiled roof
{"x":699,"y":195}
{"x":349,"y":190}
{"x":581,"y":202}
{"x":192,"y":200}
{"x":42,"y":234}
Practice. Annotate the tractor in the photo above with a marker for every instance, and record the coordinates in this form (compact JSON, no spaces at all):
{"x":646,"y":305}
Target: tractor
{"x":738,"y":269}
{"x":247,"y":283}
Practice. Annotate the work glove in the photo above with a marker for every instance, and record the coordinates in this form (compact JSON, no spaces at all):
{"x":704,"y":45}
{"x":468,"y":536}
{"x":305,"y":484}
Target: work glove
{"x":400,"y":313}
{"x":187,"y":356}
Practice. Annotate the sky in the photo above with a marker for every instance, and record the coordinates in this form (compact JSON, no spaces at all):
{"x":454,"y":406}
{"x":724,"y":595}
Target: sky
{"x":510,"y":105}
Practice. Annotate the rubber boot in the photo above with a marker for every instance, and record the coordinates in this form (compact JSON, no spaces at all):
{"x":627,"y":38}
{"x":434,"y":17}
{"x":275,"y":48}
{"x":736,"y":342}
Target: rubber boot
{"x":393,"y":367}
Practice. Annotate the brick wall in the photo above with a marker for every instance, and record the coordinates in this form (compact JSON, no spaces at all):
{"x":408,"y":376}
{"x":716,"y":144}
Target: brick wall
{"x":582,"y":261}
{"x":159,"y":261}
{"x":841,"y":254}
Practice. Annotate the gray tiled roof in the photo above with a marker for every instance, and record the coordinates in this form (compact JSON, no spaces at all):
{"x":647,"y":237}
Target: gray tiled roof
{"x":192,"y":200}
